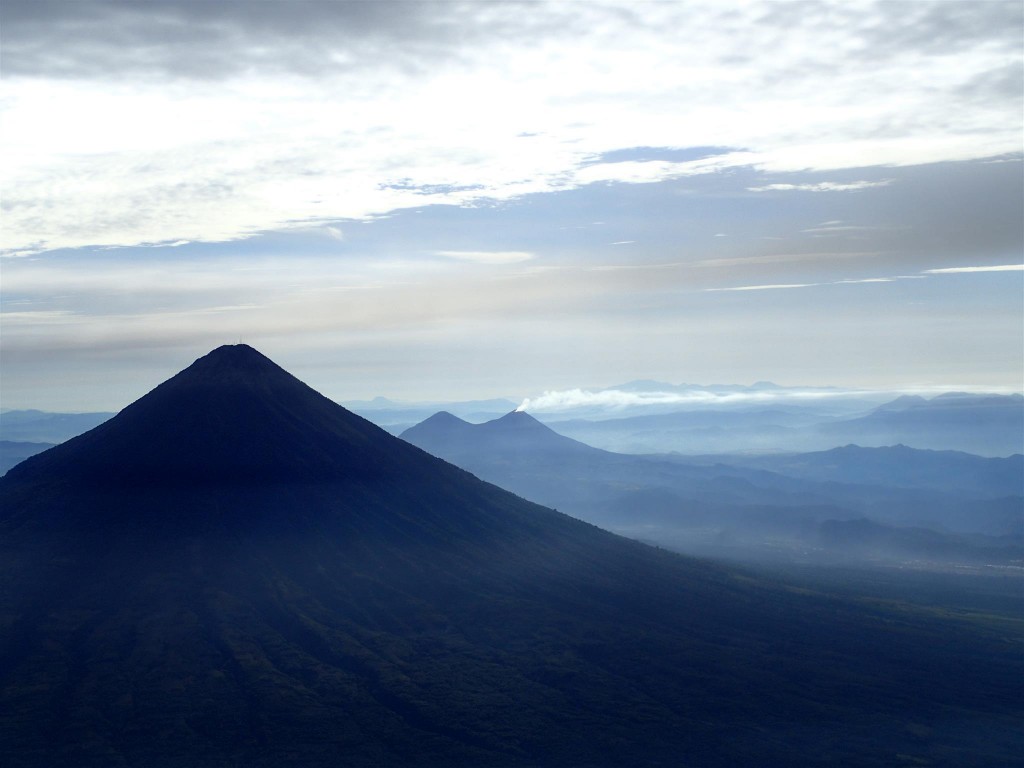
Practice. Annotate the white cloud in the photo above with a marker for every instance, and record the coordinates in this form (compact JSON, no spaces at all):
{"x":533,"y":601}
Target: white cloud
{"x":312,"y":123}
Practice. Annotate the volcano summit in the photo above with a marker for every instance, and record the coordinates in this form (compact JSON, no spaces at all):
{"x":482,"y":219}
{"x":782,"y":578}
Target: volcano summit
{"x":236,"y":571}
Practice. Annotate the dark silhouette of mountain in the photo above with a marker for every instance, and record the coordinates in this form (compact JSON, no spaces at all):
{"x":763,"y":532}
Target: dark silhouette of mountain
{"x":235,"y":571}
{"x":231,"y":418}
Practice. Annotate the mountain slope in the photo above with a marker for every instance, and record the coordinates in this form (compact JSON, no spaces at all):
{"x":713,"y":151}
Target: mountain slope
{"x":521,"y":454}
{"x":236,"y":571}
{"x":14,"y":452}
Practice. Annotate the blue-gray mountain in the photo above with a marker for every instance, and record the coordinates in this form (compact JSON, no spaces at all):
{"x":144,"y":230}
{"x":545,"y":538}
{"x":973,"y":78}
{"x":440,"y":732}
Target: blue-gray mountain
{"x":972,"y":505}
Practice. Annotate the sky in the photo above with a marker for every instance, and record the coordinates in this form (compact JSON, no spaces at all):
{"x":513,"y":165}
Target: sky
{"x":455,"y":200}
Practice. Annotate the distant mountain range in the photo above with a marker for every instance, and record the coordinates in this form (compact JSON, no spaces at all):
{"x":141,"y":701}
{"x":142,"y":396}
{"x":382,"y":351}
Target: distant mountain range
{"x":974,"y":505}
{"x":44,"y":427}
{"x":987,"y":425}
{"x":236,"y":571}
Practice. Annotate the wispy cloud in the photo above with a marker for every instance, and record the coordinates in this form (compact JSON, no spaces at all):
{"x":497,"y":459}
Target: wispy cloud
{"x":866,"y":280}
{"x":960,"y":270}
{"x":487,"y":257}
{"x":924,"y":273}
{"x":774,"y":287}
{"x":831,"y":229}
{"x":822,"y":186}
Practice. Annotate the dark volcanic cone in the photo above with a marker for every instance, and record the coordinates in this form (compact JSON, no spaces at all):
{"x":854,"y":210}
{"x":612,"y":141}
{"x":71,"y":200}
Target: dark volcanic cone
{"x":232,"y":417}
{"x":235,"y":571}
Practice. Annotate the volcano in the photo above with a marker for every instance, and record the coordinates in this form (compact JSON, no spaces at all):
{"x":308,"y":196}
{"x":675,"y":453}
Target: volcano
{"x":236,"y":571}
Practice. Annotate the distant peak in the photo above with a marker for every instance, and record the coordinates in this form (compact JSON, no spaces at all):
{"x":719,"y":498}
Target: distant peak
{"x":517,"y":422}
{"x":517,"y":417}
{"x":236,"y":352}
{"x":443,"y":417}
{"x":440,"y":424}
{"x":238,"y":358}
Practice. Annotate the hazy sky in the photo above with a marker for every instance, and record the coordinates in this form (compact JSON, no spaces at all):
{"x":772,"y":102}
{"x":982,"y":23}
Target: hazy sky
{"x":444,"y":200}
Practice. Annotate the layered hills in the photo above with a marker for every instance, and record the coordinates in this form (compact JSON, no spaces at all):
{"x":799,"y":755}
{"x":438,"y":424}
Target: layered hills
{"x":753,"y":506}
{"x":234,"y":570}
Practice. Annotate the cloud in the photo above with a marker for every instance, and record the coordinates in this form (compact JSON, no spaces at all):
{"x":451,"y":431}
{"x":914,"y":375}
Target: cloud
{"x":822,"y":186}
{"x":960,"y":270}
{"x":763,"y":287}
{"x":924,"y":273}
{"x":828,"y":229}
{"x":866,"y":280}
{"x":487,"y":257}
{"x":200,"y":40}
{"x":213,"y":122}
{"x":612,"y":399}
